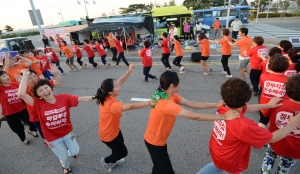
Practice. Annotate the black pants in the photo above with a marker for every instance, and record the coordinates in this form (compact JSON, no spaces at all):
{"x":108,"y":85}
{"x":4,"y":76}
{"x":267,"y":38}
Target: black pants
{"x":172,"y":47}
{"x":177,"y":61}
{"x":118,"y":148}
{"x":37,"y":125}
{"x":186,"y":36}
{"x":165,"y":60}
{"x":192,"y":35}
{"x":254,"y":78}
{"x":160,"y":159}
{"x":146,"y":71}
{"x":264,"y":120}
{"x":79,"y":61}
{"x":114,"y":52}
{"x":234,"y":34}
{"x":91,"y":60}
{"x":224,"y":62}
{"x":14,"y":121}
{"x":121,"y":56}
{"x":58,"y":65}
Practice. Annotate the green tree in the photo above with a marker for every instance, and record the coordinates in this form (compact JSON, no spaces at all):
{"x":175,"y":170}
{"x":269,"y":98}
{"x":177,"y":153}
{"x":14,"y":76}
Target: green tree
{"x":172,"y":3}
{"x":8,"y":28}
{"x":202,"y":4}
{"x":262,"y":5}
{"x":133,"y":8}
{"x":285,"y":4}
{"x":275,"y":8}
{"x":103,"y":15}
{"x":165,"y":5}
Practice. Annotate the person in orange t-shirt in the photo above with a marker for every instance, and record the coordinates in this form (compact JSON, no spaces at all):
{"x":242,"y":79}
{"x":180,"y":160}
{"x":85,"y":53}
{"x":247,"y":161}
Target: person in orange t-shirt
{"x":179,"y":54}
{"x":112,"y":45}
{"x":34,"y":64}
{"x":217,"y":25}
{"x":163,"y":116}
{"x":110,"y":110}
{"x":13,"y":68}
{"x":205,"y":52}
{"x":69,"y":55}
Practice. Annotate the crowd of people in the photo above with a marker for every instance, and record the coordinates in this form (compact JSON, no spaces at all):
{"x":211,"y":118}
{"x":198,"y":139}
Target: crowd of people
{"x":27,"y":82}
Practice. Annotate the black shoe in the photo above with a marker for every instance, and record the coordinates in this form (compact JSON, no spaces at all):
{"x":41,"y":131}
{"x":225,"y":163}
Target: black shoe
{"x":0,"y":123}
{"x":25,"y":123}
{"x":155,"y":77}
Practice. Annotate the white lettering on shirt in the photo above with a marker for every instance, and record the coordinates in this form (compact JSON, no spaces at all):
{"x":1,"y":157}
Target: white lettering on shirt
{"x":290,"y":73}
{"x":262,"y":51}
{"x":148,"y":53}
{"x":56,"y":118}
{"x":219,"y":130}
{"x":282,"y":119}
{"x":276,"y":89}
{"x":12,"y":96}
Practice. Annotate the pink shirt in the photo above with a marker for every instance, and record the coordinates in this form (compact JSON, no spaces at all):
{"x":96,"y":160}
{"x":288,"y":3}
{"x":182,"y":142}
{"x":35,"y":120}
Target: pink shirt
{"x":186,"y":28}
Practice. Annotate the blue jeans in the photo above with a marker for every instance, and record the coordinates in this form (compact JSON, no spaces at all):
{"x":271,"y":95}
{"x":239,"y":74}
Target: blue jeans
{"x":210,"y":169}
{"x":103,"y":59}
{"x":121,"y":56}
{"x":64,"y":147}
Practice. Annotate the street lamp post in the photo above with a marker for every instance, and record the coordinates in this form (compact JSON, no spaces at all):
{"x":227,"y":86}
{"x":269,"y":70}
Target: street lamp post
{"x":228,"y":12}
{"x":268,"y":10}
{"x":37,"y":20}
{"x":257,"y":10}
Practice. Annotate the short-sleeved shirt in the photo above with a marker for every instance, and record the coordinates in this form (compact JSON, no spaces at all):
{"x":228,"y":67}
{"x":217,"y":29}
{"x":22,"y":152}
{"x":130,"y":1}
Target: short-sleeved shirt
{"x":9,"y":100}
{"x":254,"y":59}
{"x":58,"y":41}
{"x":55,"y":118}
{"x":165,"y":46}
{"x":162,"y":119}
{"x":217,"y":25}
{"x":111,"y":43}
{"x":291,"y":71}
{"x":77,"y":51}
{"x":110,"y":117}
{"x":53,"y":56}
{"x":67,"y":51}
{"x":146,"y":55}
{"x":273,"y":85}
{"x":89,"y":51}
{"x":279,"y":118}
{"x":15,"y":71}
{"x":178,"y":48}
{"x":226,"y":48}
{"x":263,"y":66}
{"x":244,"y":44}
{"x":44,"y":63}
{"x":100,"y":49}
{"x":119,"y":46}
{"x":205,"y":48}
{"x":231,"y":141}
{"x":186,"y":28}
{"x":236,"y":25}
{"x":34,"y":66}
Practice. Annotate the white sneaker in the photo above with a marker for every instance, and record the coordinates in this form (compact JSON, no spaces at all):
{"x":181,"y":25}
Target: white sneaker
{"x":169,"y":69}
{"x":107,"y":167}
{"x":205,"y":74}
{"x":120,"y":161}
{"x":182,"y":72}
{"x":224,"y":72}
{"x":62,"y":73}
{"x":229,"y":76}
{"x":181,"y":68}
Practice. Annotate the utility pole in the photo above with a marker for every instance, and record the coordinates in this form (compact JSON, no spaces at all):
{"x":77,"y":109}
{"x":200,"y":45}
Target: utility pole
{"x":228,"y":12}
{"x":38,"y":23}
{"x":87,"y":14}
{"x":257,"y":10}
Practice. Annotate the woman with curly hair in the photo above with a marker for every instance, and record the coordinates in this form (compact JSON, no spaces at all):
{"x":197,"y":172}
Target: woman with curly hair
{"x":293,"y":56}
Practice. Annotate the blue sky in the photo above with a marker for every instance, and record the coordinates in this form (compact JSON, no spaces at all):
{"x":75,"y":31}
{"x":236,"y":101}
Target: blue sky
{"x":15,"y":12}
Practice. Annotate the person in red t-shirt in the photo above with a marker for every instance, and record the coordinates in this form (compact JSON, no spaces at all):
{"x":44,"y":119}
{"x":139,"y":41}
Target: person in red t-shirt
{"x":272,"y":85}
{"x":120,"y":49}
{"x":255,"y":61}
{"x":231,"y":141}
{"x":44,"y":64}
{"x":146,"y":56}
{"x":288,"y":148}
{"x":58,"y":40}
{"x":294,"y":61}
{"x":54,"y":59}
{"x":54,"y":114}
{"x":263,"y":66}
{"x":90,"y":52}
{"x":285,"y":45}
{"x":77,"y":51}
{"x":165,"y":51}
{"x":99,"y":47}
{"x":13,"y":108}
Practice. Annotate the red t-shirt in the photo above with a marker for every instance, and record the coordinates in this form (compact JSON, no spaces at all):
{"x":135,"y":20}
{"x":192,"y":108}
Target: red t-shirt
{"x":55,"y":118}
{"x":146,"y":55}
{"x":53,"y":56}
{"x":279,"y":118}
{"x":100,"y":49}
{"x":291,"y":71}
{"x":33,"y":115}
{"x":44,"y":63}
{"x":9,"y":100}
{"x":119,"y":46}
{"x":231,"y":141}
{"x":263,"y":66}
{"x":77,"y":51}
{"x":272,"y":85}
{"x":285,"y":54}
{"x":165,"y":46}
{"x":58,"y":41}
{"x":89,"y":51}
{"x":254,"y":59}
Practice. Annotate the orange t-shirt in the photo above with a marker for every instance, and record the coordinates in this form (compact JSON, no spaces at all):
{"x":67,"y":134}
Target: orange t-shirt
{"x":111,"y":43}
{"x":217,"y":25}
{"x":110,"y":116}
{"x":226,"y":48}
{"x":16,"y":70}
{"x":67,"y":51}
{"x":178,"y":49}
{"x":205,"y":48}
{"x":162,"y":119}
{"x":35,"y":67}
{"x":245,"y":45}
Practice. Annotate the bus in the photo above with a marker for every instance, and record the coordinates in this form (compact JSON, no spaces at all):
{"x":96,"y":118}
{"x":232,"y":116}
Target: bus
{"x":208,"y":16}
{"x":166,"y":15}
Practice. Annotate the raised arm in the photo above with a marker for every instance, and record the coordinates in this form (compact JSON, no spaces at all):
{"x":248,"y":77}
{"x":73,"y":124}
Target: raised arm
{"x":28,"y":61}
{"x":6,"y":65}
{"x":57,"y":78}
{"x":200,"y":105}
{"x":126,"y":75}
{"x":23,"y":87}
{"x":230,"y":115}
{"x":273,"y":103}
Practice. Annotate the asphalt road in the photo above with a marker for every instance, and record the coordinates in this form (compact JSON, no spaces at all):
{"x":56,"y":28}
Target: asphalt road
{"x":187,"y":144}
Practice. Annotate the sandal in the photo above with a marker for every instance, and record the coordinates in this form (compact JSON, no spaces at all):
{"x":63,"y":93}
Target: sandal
{"x":67,"y":171}
{"x":34,"y":134}
{"x":26,"y":142}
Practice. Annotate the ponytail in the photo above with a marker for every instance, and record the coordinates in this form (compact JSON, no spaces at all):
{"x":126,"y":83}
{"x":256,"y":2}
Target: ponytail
{"x":102,"y":92}
{"x":298,"y":66}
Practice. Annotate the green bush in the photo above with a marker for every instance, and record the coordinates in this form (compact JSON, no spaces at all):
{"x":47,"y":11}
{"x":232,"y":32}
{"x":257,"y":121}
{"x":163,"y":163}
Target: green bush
{"x":274,"y":15}
{"x":24,"y":34}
